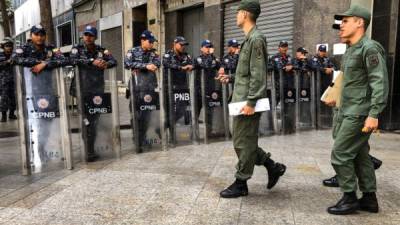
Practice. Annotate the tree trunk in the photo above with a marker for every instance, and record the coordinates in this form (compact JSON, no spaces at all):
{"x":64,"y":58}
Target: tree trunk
{"x":5,"y":20}
{"x":46,"y":19}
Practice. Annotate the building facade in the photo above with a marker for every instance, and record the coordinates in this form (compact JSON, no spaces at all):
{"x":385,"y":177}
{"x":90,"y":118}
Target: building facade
{"x":303,"y":23}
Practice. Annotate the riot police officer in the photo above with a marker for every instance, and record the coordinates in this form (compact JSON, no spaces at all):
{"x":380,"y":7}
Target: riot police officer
{"x":229,"y":62}
{"x":7,"y":90}
{"x":39,"y":88}
{"x":179,"y":63}
{"x":143,"y":61}
{"x":321,"y":62}
{"x":282,"y":61}
{"x":210,"y":64}
{"x":301,"y":62}
{"x":282,"y":65}
{"x":92,"y":60}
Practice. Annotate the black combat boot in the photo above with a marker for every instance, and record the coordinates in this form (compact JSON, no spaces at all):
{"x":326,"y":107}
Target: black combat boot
{"x":275,"y":171}
{"x":92,"y":155}
{"x":3,"y":117}
{"x":237,"y":189}
{"x":348,"y":204}
{"x":12,"y":115}
{"x":377,"y":163}
{"x":369,"y":202}
{"x":331,"y":182}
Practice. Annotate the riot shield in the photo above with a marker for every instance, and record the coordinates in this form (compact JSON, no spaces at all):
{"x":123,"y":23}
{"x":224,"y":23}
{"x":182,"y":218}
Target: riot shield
{"x":72,"y":112}
{"x":305,"y":95}
{"x":287,"y":102}
{"x":268,"y":120}
{"x":146,"y":115}
{"x":210,"y":107}
{"x":180,"y":105}
{"x":97,"y":99}
{"x":45,"y":138}
{"x":324,"y":112}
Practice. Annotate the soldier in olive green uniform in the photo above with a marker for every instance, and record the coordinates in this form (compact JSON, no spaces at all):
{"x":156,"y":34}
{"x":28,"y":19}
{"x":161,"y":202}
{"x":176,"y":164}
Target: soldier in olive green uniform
{"x":363,"y":98}
{"x":250,"y":85}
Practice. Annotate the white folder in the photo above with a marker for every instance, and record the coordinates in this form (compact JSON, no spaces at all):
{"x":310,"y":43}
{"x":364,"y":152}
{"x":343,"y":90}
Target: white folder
{"x":262,"y":105}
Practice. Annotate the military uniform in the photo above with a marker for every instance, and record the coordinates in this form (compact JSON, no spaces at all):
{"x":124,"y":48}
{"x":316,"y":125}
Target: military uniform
{"x":7,"y":89}
{"x":364,"y":95}
{"x":180,"y":84}
{"x":146,"y":84}
{"x":250,"y":86}
{"x":91,"y":84}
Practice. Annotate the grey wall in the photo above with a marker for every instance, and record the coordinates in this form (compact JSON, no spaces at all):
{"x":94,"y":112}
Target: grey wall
{"x":313,"y":23}
{"x":213,"y":27}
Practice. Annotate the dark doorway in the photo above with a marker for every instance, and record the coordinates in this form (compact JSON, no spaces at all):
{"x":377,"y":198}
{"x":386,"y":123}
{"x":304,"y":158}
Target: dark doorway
{"x":139,"y":23}
{"x":193,"y":29}
{"x":386,"y":30}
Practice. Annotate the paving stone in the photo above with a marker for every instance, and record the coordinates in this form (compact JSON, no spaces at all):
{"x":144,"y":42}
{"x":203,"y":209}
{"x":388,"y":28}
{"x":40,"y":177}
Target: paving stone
{"x":182,"y":185}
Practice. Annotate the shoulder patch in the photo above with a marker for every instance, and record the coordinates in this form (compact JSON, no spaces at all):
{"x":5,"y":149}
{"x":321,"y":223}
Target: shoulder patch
{"x":373,"y":60}
{"x":258,"y":47}
{"x":166,"y":55}
{"x":74,"y":51}
{"x":128,"y":55}
{"x":19,"y":51}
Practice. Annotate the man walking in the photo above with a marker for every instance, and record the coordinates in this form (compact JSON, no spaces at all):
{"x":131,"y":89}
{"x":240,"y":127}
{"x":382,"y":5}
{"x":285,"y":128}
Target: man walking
{"x":250,"y":85}
{"x":364,"y":96}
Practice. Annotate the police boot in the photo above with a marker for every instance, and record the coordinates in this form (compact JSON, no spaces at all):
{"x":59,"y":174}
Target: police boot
{"x":348,"y":204}
{"x":12,"y":115}
{"x":275,"y":171}
{"x":92,"y":156}
{"x":331,"y":182}
{"x":377,"y":163}
{"x":369,"y":202}
{"x":237,"y":189}
{"x":3,"y":117}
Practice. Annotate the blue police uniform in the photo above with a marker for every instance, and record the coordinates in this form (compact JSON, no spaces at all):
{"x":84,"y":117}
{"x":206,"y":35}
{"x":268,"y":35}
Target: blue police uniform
{"x":7,"y":90}
{"x":210,"y":64}
{"x":146,"y":83}
{"x":91,"y":83}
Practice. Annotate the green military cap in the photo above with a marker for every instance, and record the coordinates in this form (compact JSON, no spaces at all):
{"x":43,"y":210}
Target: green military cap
{"x":355,"y":10}
{"x":252,"y":6}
